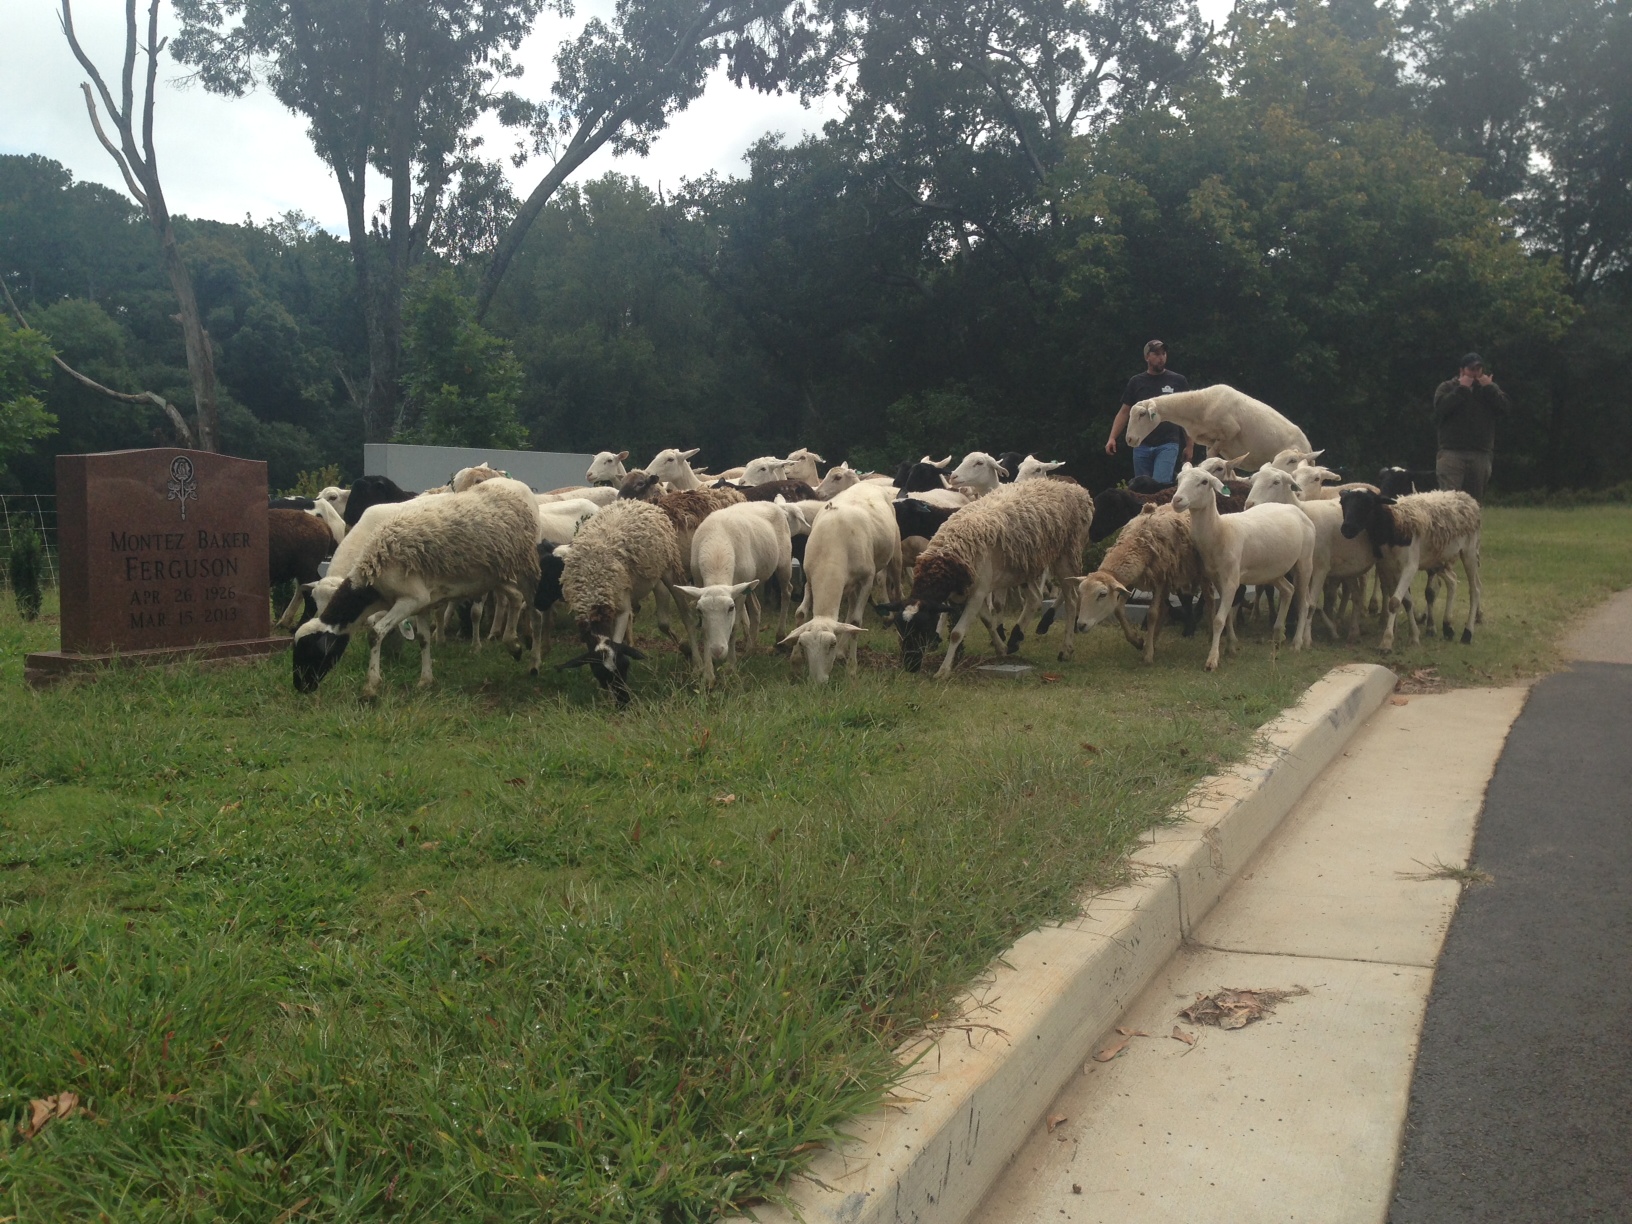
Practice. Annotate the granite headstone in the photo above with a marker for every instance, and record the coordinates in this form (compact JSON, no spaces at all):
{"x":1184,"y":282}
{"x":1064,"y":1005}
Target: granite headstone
{"x":161,"y":553}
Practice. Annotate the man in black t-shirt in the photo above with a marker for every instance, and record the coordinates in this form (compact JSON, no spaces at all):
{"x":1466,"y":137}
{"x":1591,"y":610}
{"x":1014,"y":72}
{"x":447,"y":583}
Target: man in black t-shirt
{"x":1158,"y":455}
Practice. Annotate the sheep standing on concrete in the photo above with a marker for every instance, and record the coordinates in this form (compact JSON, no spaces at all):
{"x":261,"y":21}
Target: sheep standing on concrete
{"x":422,"y":553}
{"x":733,"y":551}
{"x":1010,"y":538}
{"x":1261,"y":545}
{"x":1223,"y":420}
{"x":1154,"y":553}
{"x":1420,"y":531}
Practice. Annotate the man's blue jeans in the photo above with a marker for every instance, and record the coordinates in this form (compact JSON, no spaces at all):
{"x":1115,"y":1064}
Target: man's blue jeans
{"x":1157,"y":462}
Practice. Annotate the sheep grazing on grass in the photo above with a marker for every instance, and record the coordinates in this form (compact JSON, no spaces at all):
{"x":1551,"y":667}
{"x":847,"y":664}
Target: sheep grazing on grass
{"x":1011,"y":538}
{"x":733,"y":551}
{"x":618,"y":558}
{"x":413,"y":557}
{"x":1337,"y":557}
{"x":1261,"y":545}
{"x":1154,"y":553}
{"x":1420,"y":531}
{"x":1223,"y":420}
{"x":608,"y":662}
{"x":850,"y":543}
{"x":606,"y":468}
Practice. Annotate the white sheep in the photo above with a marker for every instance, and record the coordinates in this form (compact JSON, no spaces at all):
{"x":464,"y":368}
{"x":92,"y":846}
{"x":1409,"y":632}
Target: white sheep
{"x":1260,"y":546}
{"x":840,"y":476}
{"x":766,"y":469}
{"x":850,"y":542}
{"x":601,"y":495}
{"x":1419,"y":531}
{"x":606,"y":468}
{"x":673,"y":467}
{"x":803,"y":466}
{"x":1153,"y":552}
{"x":979,"y":474}
{"x":324,"y":509}
{"x":1336,"y":556}
{"x":413,"y":557}
{"x":1032,"y":468}
{"x":733,"y":551}
{"x":335,"y":496}
{"x":1222,"y":419}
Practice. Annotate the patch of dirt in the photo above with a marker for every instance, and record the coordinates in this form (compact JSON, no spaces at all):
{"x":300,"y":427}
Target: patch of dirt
{"x":1233,"y":1009}
{"x":1422,"y":680}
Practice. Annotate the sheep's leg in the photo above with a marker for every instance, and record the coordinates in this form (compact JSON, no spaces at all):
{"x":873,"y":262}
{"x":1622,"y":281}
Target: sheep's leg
{"x":752,"y":612}
{"x":955,"y":638}
{"x":510,"y":601}
{"x":1028,"y":609}
{"x":1470,"y":568}
{"x":1224,"y":612}
{"x":1153,"y":619}
{"x":1401,"y":598}
{"x":1136,"y":637}
{"x":685,"y":618}
{"x":1066,"y":602}
{"x":1305,"y":589}
{"x":422,"y":626}
{"x":1277,"y":627}
{"x":1450,"y":598}
{"x":405,"y":607}
{"x":988,"y":617}
{"x":623,"y":624}
{"x":784,"y":580}
{"x":287,"y":620}
{"x":541,"y":629}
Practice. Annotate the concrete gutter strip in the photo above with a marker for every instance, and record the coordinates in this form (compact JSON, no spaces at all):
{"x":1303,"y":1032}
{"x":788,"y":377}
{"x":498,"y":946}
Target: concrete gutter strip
{"x":984,"y":1082}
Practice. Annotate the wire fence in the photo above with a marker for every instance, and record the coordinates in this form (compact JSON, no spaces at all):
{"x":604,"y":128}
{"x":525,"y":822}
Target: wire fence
{"x":18,"y":510}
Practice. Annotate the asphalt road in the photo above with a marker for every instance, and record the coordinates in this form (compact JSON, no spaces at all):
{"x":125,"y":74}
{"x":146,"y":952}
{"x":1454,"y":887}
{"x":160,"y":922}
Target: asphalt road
{"x":1521,"y":1104}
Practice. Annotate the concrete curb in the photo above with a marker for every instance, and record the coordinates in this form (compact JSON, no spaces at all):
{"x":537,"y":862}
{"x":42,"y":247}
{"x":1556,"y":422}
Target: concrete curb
{"x":931,"y":1155}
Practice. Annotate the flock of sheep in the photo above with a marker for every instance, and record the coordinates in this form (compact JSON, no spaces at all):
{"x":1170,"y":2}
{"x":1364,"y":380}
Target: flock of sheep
{"x":998,"y":538}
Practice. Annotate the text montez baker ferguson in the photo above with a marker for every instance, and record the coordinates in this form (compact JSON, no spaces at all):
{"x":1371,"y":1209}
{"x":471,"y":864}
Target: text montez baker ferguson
{"x":140,"y":569}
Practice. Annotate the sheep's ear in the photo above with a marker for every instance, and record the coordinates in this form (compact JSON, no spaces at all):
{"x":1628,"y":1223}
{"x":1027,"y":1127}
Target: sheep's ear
{"x":786,"y":644}
{"x":815,"y":456}
{"x":851,"y":630}
{"x":580,"y":661}
{"x":942,"y":464}
{"x":693,"y":592}
{"x":690,"y":453}
{"x":1187,"y":466}
{"x":1121,"y":591}
{"x":1003,"y":471}
{"x":742,"y":588}
{"x":622,"y":455}
{"x":306,"y":587}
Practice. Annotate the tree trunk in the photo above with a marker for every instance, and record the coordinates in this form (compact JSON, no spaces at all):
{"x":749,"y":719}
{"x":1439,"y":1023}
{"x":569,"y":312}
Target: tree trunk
{"x":200,"y":356}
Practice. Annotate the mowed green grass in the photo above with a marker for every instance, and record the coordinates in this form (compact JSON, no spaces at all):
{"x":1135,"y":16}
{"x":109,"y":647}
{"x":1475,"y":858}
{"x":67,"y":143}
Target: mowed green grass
{"x":496,"y":950}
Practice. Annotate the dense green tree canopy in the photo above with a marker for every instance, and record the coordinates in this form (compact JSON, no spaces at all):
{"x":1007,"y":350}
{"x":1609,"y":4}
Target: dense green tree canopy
{"x":1323,"y":204}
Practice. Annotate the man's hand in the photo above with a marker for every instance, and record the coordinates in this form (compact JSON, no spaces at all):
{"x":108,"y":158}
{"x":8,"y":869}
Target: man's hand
{"x":1485,"y":380}
{"x":1110,"y":445}
{"x":1465,"y":378}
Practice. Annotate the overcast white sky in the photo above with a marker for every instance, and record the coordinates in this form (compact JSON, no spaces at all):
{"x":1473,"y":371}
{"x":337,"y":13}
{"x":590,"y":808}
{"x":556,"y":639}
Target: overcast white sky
{"x":226,"y":158}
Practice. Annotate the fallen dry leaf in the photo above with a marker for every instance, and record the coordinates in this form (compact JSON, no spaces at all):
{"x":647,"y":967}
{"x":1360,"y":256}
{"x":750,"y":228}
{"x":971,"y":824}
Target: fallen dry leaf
{"x":419,"y":892}
{"x":1133,"y":1032}
{"x":1111,"y":1051}
{"x":1075,"y":1189}
{"x":229,"y":807}
{"x":1180,"y":1035}
{"x":1054,"y":1120}
{"x":725,"y":798}
{"x":1399,"y":701}
{"x":1233,"y":1009}
{"x":636,"y":832}
{"x":289,"y":1213}
{"x":46,"y":1110}
{"x":515,"y":781}
{"x":1050,"y":677}
{"x":1087,"y":747}
{"x":430,"y":845}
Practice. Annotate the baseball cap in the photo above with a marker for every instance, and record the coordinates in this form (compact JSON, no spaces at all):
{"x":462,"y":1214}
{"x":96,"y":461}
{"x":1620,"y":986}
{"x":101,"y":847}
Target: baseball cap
{"x":1154,"y":346}
{"x":1472,"y":359}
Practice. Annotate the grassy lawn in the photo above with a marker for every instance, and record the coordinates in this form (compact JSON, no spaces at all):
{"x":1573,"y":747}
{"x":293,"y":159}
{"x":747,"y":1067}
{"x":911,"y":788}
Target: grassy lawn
{"x":495,"y":951}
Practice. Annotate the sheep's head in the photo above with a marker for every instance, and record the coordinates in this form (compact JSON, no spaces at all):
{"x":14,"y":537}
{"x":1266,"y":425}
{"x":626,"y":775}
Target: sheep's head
{"x":641,"y":486}
{"x":1292,"y":458}
{"x":470,"y":477}
{"x":978,"y":473}
{"x":1033,"y":468}
{"x":840,"y":476}
{"x":940,"y":584}
{"x":1196,"y":484}
{"x":321,"y":641}
{"x":608,"y":662}
{"x":1363,"y":510}
{"x":1099,"y":595}
{"x":717,"y":614}
{"x":672,"y":465}
{"x":1273,"y":484}
{"x":802,"y":466}
{"x":820,"y":640}
{"x":765,"y":469}
{"x":1142,"y":418}
{"x":606,"y":468}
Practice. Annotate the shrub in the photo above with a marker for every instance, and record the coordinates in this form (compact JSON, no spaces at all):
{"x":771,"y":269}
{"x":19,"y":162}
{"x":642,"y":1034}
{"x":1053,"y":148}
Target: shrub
{"x":25,"y":568}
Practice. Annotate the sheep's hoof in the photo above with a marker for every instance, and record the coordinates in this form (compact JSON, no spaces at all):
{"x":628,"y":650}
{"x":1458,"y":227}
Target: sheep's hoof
{"x":1210,"y":665}
{"x":370,"y":695}
{"x":1015,"y":639}
{"x":533,"y":672}
{"x":1447,"y":631}
{"x":1467,"y":637}
{"x":1065,"y":656}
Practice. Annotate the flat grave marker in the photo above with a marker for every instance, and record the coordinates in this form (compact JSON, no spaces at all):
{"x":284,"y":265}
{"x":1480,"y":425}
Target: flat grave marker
{"x":162,"y":555}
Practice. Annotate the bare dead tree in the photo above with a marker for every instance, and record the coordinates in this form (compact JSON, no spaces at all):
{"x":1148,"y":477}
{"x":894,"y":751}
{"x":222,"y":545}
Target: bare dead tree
{"x":184,"y":435}
{"x":140,"y":168}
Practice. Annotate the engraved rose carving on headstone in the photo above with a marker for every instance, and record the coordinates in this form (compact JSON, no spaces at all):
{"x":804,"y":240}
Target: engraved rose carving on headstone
{"x":182,"y":486}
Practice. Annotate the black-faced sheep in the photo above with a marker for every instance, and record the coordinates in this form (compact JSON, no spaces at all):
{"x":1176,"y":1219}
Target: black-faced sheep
{"x":1421,"y":531}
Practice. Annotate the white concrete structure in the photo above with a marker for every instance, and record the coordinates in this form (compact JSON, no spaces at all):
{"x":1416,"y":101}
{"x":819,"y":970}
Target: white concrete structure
{"x":416,"y":468}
